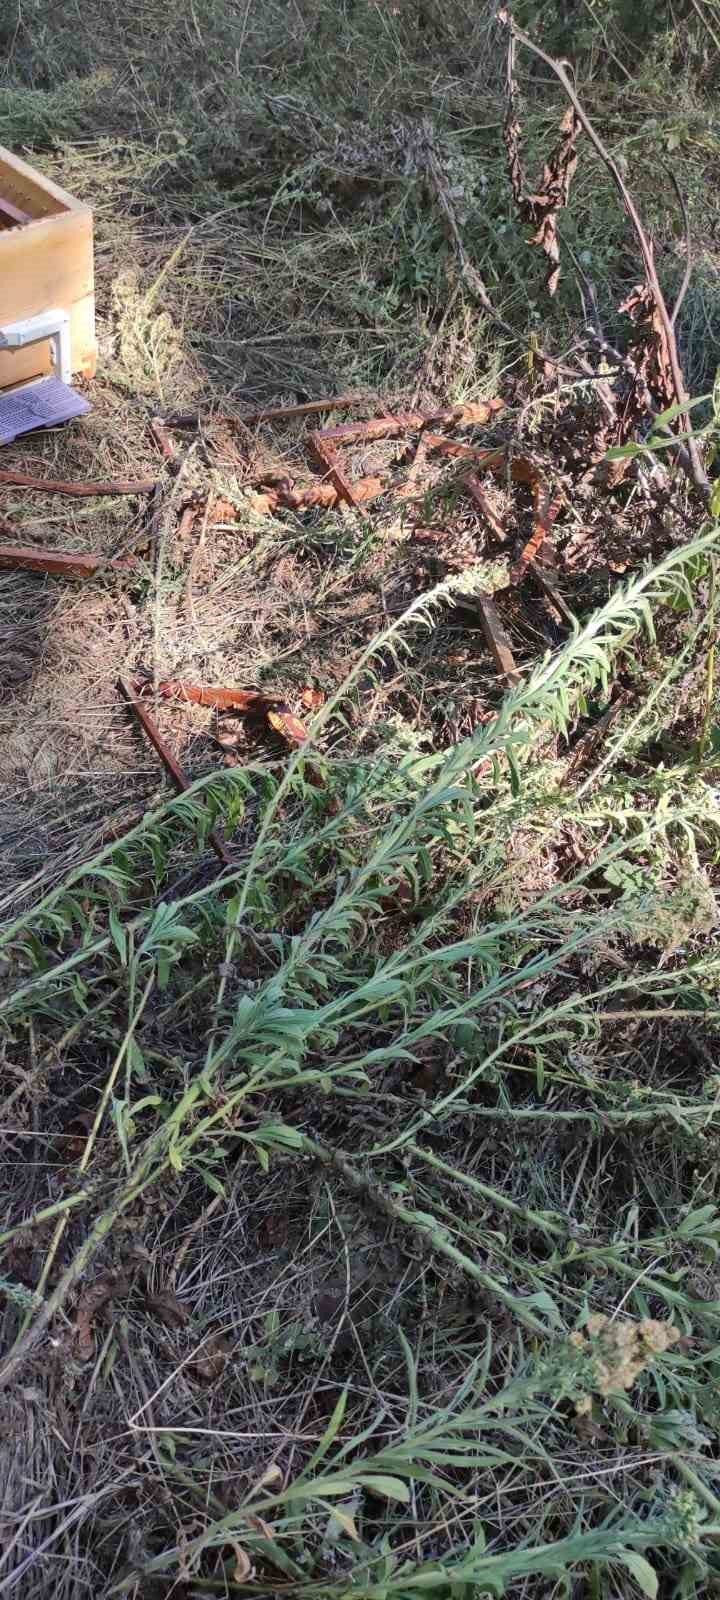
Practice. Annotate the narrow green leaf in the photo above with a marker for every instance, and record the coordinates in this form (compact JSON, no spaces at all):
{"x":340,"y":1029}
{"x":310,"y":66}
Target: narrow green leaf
{"x":118,"y":935}
{"x":330,"y":1434}
{"x":391,"y":1488}
{"x":175,"y":1158}
{"x":645,"y":1576}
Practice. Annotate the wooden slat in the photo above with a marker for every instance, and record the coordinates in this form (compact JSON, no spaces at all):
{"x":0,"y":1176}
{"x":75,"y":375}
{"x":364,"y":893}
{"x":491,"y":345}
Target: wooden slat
{"x":32,"y":190}
{"x":57,"y":563}
{"x":10,"y":215}
{"x":497,"y":640}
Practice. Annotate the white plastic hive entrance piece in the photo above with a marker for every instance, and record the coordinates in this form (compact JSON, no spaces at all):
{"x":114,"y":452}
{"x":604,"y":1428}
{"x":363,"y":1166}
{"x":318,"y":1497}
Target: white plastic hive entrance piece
{"x":53,"y":325}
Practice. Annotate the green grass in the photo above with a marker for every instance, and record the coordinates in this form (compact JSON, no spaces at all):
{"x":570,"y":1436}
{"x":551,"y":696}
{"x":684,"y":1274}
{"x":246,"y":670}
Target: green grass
{"x":219,"y":1077}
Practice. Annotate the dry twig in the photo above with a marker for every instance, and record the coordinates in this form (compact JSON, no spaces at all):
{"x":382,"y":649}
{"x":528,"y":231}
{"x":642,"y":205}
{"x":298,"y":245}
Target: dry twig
{"x":78,"y":490}
{"x":308,"y":408}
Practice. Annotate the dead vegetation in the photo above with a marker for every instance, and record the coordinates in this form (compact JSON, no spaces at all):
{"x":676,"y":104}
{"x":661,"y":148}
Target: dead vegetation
{"x":359,"y":1085}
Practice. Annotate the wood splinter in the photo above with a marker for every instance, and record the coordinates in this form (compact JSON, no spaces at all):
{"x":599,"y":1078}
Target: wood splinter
{"x":477,"y":494}
{"x":308,"y":408}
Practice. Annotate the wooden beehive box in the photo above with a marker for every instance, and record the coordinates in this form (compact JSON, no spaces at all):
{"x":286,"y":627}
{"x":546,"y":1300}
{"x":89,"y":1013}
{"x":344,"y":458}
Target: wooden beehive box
{"x":46,"y":262}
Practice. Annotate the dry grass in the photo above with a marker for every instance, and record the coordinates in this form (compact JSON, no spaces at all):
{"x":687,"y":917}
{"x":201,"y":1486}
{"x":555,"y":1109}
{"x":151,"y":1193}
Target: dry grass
{"x":263,"y":235}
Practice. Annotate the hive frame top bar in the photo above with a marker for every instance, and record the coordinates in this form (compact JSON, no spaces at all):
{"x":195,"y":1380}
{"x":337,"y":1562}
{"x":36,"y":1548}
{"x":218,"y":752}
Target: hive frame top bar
{"x":32,"y":193}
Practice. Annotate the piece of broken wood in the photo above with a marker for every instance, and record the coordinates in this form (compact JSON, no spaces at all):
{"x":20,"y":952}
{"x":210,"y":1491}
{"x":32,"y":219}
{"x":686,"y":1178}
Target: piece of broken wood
{"x":477,"y":494}
{"x":547,"y":507}
{"x":186,"y":522}
{"x":520,"y":468}
{"x":545,"y":582}
{"x":487,"y":459}
{"x":59,"y":563}
{"x":11,"y":216}
{"x":497,"y":639}
{"x":271,"y":497}
{"x":172,"y":767}
{"x":589,"y":743}
{"x":83,"y":490}
{"x":162,"y":439}
{"x":208,"y":695}
{"x":392,"y":426}
{"x":326,"y":456}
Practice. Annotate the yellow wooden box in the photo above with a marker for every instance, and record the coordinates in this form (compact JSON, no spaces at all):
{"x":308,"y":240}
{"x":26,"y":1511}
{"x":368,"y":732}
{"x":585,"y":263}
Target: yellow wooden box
{"x":45,"y":263}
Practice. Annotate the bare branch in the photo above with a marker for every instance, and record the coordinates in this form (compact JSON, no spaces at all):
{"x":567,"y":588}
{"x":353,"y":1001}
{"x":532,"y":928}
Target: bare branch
{"x":682,"y":291}
{"x":698,"y":473}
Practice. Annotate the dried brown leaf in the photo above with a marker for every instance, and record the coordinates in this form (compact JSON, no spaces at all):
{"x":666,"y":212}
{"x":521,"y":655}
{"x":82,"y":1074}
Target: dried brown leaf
{"x":243,"y":1568}
{"x":541,"y":209}
{"x":346,"y":1521}
{"x":650,"y":354}
{"x":106,"y":1288}
{"x":258,"y":1523}
{"x":312,"y":699}
{"x":271,"y":1476}
{"x":73,"y":1145}
{"x":211,"y":1358}
{"x":288,"y":725}
{"x":222,"y":511}
{"x":167,"y":1309}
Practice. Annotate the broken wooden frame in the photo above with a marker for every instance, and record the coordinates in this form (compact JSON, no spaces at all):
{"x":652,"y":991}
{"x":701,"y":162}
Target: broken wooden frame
{"x":273,"y":497}
{"x":46,"y":260}
{"x":393,"y":425}
{"x":325,"y":442}
{"x":162,"y":439}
